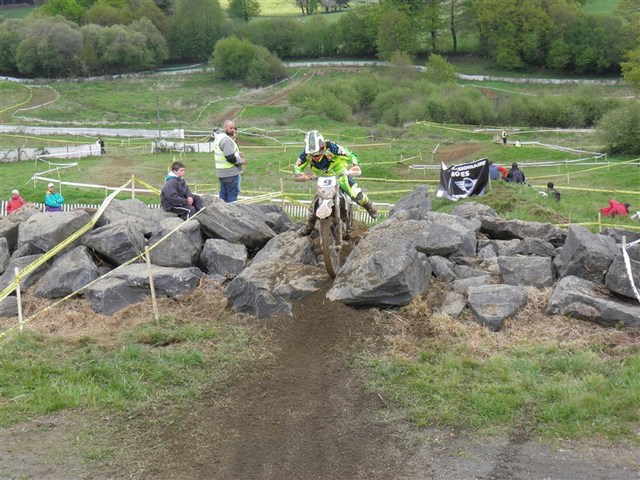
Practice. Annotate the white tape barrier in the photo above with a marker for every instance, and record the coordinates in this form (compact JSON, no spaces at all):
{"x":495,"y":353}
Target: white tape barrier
{"x":627,"y":263}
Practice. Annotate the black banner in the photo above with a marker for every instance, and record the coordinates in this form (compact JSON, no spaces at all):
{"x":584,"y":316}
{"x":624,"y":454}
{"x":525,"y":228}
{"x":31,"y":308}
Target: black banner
{"x":461,"y":181}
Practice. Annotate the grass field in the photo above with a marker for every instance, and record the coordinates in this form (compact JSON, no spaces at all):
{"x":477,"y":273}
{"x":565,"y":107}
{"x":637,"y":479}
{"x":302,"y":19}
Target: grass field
{"x":600,"y":7}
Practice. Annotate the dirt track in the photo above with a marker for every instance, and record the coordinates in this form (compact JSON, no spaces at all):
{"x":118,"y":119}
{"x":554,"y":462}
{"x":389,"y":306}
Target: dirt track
{"x":300,"y":412}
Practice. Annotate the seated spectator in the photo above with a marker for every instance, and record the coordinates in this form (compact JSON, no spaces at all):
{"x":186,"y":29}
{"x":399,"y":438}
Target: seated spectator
{"x":615,"y":208}
{"x":496,"y":171}
{"x":15,"y":202}
{"x":176,"y":197}
{"x":552,"y":192}
{"x":515,"y":175}
{"x":53,"y":201}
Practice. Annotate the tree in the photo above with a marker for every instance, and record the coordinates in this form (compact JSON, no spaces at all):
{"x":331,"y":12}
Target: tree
{"x":357,"y":30}
{"x":197,"y":26}
{"x":620,"y":129}
{"x":245,"y":9}
{"x":52,"y":47}
{"x":308,"y":6}
{"x":439,"y":70}
{"x":236,"y":59}
{"x":395,"y":33}
{"x":631,"y":69}
{"x":11,"y":34}
{"x":278,"y":35}
{"x":69,"y":9}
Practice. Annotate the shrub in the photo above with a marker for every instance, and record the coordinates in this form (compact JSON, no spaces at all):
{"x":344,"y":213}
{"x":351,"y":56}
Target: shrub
{"x":620,"y":129}
{"x":236,"y":59}
{"x":278,"y":35}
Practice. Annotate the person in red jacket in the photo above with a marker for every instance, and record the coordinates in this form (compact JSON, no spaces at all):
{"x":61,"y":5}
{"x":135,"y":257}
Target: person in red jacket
{"x":615,"y":208}
{"x":15,"y":202}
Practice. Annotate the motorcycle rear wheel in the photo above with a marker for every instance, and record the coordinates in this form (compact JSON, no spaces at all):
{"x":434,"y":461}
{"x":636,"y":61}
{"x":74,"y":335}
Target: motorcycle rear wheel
{"x":330,"y":236}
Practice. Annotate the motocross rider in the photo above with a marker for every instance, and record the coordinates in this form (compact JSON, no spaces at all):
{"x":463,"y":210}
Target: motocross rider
{"x":324,"y":156}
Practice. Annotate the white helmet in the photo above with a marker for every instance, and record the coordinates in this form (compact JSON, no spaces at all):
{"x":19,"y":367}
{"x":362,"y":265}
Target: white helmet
{"x":314,"y":143}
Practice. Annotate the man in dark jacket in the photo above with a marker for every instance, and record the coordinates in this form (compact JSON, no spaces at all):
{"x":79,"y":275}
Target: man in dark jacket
{"x":175,"y":195}
{"x":515,"y":174}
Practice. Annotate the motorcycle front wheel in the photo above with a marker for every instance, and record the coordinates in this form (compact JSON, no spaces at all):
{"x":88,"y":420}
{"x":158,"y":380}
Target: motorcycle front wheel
{"x":331,"y":238}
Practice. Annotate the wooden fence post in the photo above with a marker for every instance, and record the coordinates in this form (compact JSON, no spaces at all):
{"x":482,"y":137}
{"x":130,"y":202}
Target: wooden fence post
{"x":19,"y":300}
{"x":156,"y":315}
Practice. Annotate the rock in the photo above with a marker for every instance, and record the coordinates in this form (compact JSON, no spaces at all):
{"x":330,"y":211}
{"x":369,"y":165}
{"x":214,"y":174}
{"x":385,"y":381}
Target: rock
{"x":43,"y":231}
{"x":617,"y":277}
{"x":532,"y":246}
{"x":144,"y":218}
{"x":492,"y":304}
{"x":284,"y":270}
{"x":10,"y":224}
{"x":463,"y":271}
{"x":220,"y":257}
{"x":585,"y":255}
{"x":180,"y":250}
{"x":69,"y":273}
{"x":527,"y":270}
{"x":384,"y":269}
{"x":272,"y":214}
{"x":130,"y":284}
{"x":417,"y":204}
{"x":499,"y":229}
{"x":231,"y":222}
{"x":9,"y":307}
{"x":463,"y":284}
{"x":588,"y":300}
{"x":116,"y":242}
{"x":453,"y":304}
{"x":5,"y":254}
{"x":442,"y":268}
{"x":500,"y":247}
{"x":470,"y":210}
{"x":618,"y":233}
{"x":9,"y":275}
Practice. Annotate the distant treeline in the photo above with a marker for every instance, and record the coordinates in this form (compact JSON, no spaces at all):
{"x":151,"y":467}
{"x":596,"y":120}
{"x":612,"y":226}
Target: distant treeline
{"x":91,"y":37}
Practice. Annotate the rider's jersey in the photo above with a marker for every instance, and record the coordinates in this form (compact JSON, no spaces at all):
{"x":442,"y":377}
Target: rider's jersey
{"x":335,"y":159}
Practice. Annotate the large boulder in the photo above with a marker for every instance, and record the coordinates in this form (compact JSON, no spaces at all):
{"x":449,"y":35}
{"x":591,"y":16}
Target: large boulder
{"x":283,"y":271}
{"x":385,"y":269}
{"x":585,"y":255}
{"x":500,"y":229}
{"x":5,"y":254}
{"x":618,"y":233}
{"x":587,"y":300}
{"x":182,"y":249}
{"x":492,"y":304}
{"x":471,"y":210}
{"x":69,"y":273}
{"x":220,"y":257}
{"x":527,"y":270}
{"x":235,"y":224}
{"x":416,"y":204}
{"x":273,"y":215}
{"x":618,"y":279}
{"x":435,"y":235}
{"x":10,"y":224}
{"x":44,"y":231}
{"x":130,"y":284}
{"x":146,"y":219}
{"x":9,"y":307}
{"x":116,"y":242}
{"x":533,"y":246}
{"x":20,"y":263}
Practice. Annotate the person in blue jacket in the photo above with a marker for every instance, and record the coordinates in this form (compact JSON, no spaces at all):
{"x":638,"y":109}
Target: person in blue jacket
{"x":175,"y":195}
{"x":53,"y":201}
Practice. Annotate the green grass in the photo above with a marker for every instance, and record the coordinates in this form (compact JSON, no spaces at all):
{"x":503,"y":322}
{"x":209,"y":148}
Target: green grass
{"x":552,"y":391}
{"x":170,"y":360}
{"x":600,"y":7}
{"x":15,"y":12}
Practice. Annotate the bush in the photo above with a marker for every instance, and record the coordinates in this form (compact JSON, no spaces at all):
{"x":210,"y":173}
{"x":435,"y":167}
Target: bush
{"x":620,"y":129}
{"x":236,"y":59}
{"x":11,"y":34}
{"x":311,"y":100}
{"x":439,"y":70}
{"x":279,"y":36}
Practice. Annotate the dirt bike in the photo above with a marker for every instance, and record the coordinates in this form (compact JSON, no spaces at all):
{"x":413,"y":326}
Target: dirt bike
{"x":335,"y":223}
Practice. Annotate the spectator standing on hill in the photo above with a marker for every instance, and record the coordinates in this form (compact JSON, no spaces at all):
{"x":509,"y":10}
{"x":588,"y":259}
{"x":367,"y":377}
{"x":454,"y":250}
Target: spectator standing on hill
{"x":552,"y":192}
{"x":504,"y":137}
{"x":175,"y":195}
{"x":53,"y":201}
{"x":15,"y":202}
{"x":515,"y":175}
{"x":229,"y":162}
{"x":100,"y":143}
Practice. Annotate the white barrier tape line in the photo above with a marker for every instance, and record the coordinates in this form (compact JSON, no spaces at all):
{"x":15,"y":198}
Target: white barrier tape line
{"x":89,"y":185}
{"x":627,"y":264}
{"x":635,"y":242}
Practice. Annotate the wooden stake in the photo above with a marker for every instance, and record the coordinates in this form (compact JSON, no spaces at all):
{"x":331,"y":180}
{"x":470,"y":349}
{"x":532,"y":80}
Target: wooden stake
{"x":133,"y":186}
{"x":19,"y":298}
{"x":599,"y":222}
{"x":156,"y":315}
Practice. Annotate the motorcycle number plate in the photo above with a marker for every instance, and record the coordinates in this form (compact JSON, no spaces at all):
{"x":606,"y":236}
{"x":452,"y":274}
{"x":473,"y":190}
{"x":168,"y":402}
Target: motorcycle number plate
{"x":324,"y":182}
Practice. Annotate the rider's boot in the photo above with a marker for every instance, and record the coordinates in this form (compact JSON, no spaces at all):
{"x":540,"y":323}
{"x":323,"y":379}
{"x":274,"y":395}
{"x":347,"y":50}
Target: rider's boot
{"x":368,"y":206}
{"x":311,"y":224}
